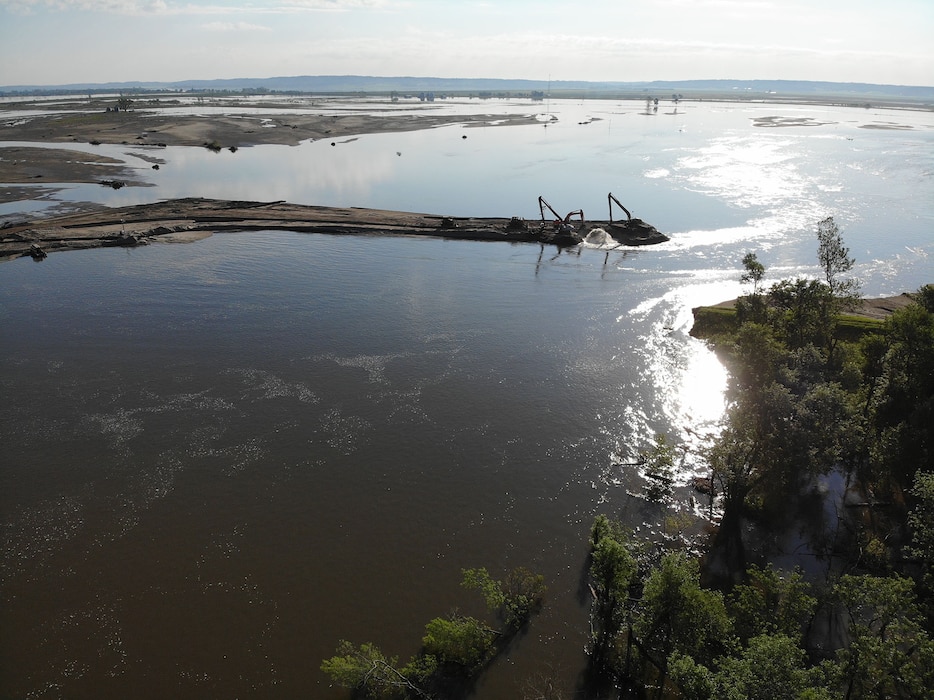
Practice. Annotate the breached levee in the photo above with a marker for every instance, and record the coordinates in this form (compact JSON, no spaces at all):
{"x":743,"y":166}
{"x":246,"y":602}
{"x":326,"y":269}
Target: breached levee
{"x":181,"y":220}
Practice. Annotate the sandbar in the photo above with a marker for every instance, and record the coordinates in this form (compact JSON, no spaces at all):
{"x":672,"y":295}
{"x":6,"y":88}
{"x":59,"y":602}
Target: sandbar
{"x":193,"y":218}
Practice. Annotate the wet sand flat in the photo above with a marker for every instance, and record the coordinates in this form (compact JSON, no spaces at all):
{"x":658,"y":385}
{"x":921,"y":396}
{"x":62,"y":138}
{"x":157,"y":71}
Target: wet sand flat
{"x":152,"y":128}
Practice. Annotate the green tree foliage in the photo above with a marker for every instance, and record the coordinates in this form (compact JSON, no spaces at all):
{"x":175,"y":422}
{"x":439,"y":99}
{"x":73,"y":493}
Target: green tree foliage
{"x":890,"y":654}
{"x":366,"y":670}
{"x":612,"y":572}
{"x":771,"y":667}
{"x":491,"y":590}
{"x":754,"y":272}
{"x":612,"y":568}
{"x":462,"y":642}
{"x":700,"y":645}
{"x":902,"y":402}
{"x":835,"y":261}
{"x":736,"y":459}
{"x":694,"y":681}
{"x":602,"y":528}
{"x":525,"y":596}
{"x":514,"y":600}
{"x":755,"y":356}
{"x":803,"y":402}
{"x":921,"y":522}
{"x":827,"y":426}
{"x":454,"y":648}
{"x":677,"y":614}
{"x":802,"y":312}
{"x":781,"y":434}
{"x":771,"y":602}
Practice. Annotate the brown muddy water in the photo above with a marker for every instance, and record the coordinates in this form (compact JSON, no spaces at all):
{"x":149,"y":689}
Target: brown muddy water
{"x":222,"y":458}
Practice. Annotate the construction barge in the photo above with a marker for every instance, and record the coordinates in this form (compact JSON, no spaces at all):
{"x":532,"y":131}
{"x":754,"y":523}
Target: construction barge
{"x":183,"y":220}
{"x":573,"y":229}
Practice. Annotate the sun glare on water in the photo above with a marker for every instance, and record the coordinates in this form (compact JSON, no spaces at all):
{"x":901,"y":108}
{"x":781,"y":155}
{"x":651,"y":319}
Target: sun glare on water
{"x":701,"y":394}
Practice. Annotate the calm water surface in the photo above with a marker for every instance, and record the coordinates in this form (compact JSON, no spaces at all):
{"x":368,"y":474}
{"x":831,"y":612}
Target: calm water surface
{"x":221,"y":458}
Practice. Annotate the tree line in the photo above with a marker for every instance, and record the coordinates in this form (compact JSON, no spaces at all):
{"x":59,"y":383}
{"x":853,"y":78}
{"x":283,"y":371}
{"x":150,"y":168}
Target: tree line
{"x":810,"y":395}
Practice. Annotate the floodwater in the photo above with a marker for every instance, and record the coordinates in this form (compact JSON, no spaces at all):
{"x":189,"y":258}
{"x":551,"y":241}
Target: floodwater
{"x":222,"y":458}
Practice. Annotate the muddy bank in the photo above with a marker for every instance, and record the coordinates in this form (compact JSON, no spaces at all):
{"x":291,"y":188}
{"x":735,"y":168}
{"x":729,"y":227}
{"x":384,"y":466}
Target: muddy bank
{"x":182,"y":220}
{"x":23,"y":168}
{"x":152,"y":128}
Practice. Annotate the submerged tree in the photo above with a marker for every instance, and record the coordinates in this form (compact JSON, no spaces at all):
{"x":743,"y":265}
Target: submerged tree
{"x":613,"y":570}
{"x":514,"y":600}
{"x":659,"y":467}
{"x":454,"y":648}
{"x":368,"y":671}
{"x":461,"y":643}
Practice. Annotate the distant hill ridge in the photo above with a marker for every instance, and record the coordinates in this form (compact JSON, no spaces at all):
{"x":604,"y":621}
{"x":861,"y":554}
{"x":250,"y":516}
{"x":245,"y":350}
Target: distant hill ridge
{"x":404,"y":84}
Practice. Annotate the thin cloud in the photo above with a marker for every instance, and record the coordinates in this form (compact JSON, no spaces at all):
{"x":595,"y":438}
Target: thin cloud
{"x":163,"y":7}
{"x":335,"y":4}
{"x":235,"y":27}
{"x":314,"y":6}
{"x":133,"y":8}
{"x":128,"y":7}
{"x":721,"y":4}
{"x":600,"y":58}
{"x":597,"y":40}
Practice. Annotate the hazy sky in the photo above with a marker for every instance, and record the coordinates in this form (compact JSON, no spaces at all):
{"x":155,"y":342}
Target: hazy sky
{"x":62,"y":41}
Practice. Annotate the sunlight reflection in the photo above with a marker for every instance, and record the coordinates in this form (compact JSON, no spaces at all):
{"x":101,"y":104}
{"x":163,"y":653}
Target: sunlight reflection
{"x":749,"y":171}
{"x":703,"y":383}
{"x":688,"y":378}
{"x":694,"y":400}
